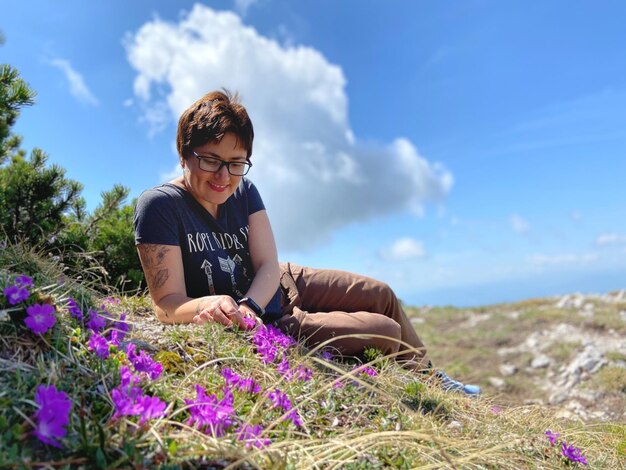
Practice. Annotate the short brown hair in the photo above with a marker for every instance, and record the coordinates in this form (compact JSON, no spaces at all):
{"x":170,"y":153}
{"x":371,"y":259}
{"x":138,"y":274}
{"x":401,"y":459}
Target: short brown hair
{"x":210,"y":118}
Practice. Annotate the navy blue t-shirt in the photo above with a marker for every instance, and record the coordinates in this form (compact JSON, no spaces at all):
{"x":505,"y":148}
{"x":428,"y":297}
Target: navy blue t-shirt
{"x":216,"y":257}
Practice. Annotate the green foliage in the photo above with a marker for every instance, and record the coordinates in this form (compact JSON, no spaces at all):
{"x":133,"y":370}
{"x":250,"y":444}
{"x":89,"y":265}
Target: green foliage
{"x":14,"y":94}
{"x":35,"y":198}
{"x":41,"y":207}
{"x":104,"y":240}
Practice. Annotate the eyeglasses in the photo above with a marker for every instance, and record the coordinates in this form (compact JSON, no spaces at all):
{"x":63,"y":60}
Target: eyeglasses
{"x":213,"y":165}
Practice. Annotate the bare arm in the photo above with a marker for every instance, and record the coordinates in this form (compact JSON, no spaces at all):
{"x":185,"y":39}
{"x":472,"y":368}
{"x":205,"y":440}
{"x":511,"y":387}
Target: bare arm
{"x":264,"y":259}
{"x":163,"y":267}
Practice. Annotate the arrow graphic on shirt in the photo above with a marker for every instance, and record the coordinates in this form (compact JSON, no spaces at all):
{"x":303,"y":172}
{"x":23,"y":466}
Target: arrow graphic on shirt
{"x":209,"y":275}
{"x":228,"y":266}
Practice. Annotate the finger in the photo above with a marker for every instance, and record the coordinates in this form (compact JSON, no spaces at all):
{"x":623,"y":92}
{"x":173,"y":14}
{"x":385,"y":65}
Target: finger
{"x":220,"y":317}
{"x":202,"y":318}
{"x":233,"y":315}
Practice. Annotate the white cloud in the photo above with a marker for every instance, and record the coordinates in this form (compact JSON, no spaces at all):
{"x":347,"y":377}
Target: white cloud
{"x":78,"y":87}
{"x":519,"y":224}
{"x":607,"y":239}
{"x":242,"y":6}
{"x":314,"y":174}
{"x":564,"y":259}
{"x":405,"y":248}
{"x":175,"y":172}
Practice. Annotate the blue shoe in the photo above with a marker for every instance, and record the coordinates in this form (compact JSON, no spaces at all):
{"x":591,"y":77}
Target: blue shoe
{"x":451,"y":385}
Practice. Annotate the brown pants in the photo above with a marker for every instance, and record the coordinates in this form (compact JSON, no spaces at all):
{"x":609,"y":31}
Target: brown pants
{"x":320,"y":304}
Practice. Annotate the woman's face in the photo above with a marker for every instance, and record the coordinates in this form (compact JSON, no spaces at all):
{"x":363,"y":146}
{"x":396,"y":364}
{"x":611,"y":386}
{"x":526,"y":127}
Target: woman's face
{"x":212,"y":189}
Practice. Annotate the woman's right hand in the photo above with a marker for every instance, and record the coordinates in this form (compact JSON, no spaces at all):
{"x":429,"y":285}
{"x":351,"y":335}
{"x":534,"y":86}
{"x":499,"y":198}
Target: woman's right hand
{"x":221,"y":309}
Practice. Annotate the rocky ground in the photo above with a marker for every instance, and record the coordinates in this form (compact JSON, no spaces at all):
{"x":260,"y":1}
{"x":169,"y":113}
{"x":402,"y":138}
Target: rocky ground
{"x":567,"y":352}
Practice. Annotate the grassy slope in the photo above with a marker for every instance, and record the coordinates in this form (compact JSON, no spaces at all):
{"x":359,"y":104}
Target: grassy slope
{"x":393,"y":420}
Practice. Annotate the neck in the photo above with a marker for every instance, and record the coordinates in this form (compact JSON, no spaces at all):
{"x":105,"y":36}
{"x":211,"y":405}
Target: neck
{"x":181,"y":182}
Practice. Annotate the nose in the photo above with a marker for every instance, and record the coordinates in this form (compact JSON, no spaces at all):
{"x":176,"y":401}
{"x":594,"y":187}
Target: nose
{"x":223,"y":173}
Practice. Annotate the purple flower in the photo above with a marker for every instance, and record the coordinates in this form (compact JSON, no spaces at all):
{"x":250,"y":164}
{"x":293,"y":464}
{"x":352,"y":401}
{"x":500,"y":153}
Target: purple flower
{"x":110,"y":301}
{"x":284,"y":369}
{"x":295,"y":418}
{"x":99,"y":345}
{"x":269,"y":340}
{"x":338,"y":384}
{"x":304,"y":373}
{"x":249,"y":322}
{"x":125,"y":403}
{"x":119,"y":330}
{"x":24,"y":281}
{"x":552,"y":436}
{"x":365,"y":370}
{"x":74,"y":310}
{"x":327,"y":355}
{"x":250,"y":434}
{"x":16,"y":294}
{"x":210,"y":414}
{"x":96,"y":321}
{"x":40,"y":318}
{"x":234,"y":380}
{"x":281,"y":400}
{"x":151,"y":407}
{"x":129,"y":400}
{"x":142,"y":362}
{"x":53,"y":414}
{"x":573,"y":453}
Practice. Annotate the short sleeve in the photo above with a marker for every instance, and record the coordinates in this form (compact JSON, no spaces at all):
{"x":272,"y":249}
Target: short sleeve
{"x":155,"y":219}
{"x":255,"y":203}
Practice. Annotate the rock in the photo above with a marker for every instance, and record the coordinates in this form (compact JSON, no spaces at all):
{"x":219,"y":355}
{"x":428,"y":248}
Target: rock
{"x":565,"y":414}
{"x":587,"y":311}
{"x":540,"y":361}
{"x":558,"y":397}
{"x":497,"y":382}
{"x":455,"y":425}
{"x":507,"y":369}
{"x":563,"y":302}
{"x":590,"y":360}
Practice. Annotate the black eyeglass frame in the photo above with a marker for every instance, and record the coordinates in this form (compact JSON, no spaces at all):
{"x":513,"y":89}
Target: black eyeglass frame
{"x":223,"y":163}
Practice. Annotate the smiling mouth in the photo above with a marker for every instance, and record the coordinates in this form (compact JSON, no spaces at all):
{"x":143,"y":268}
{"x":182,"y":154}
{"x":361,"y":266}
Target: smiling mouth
{"x":217,"y":187}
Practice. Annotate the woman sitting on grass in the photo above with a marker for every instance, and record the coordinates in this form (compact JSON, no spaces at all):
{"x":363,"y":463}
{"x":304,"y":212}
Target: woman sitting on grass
{"x":208,"y":253}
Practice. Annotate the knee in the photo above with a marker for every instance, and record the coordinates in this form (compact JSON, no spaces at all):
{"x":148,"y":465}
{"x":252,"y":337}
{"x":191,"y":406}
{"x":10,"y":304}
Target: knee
{"x":391,"y":334}
{"x":385,"y":296}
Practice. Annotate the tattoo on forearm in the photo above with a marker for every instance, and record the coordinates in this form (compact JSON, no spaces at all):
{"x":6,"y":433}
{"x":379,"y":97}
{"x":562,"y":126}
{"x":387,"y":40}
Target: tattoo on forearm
{"x":152,"y":259}
{"x":160,"y":278}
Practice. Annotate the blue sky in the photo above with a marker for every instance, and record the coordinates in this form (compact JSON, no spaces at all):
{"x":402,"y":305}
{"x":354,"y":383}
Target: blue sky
{"x":465,"y":152}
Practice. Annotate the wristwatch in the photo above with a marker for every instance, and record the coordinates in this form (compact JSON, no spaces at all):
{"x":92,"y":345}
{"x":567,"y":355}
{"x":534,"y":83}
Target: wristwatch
{"x":256,"y":308}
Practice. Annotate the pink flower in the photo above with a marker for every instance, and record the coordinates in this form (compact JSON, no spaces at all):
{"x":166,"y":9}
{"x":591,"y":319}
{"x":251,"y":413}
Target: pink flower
{"x":40,"y":318}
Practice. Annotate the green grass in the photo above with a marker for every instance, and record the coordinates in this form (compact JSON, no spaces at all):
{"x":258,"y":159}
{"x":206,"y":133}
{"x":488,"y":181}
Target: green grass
{"x":393,"y":420}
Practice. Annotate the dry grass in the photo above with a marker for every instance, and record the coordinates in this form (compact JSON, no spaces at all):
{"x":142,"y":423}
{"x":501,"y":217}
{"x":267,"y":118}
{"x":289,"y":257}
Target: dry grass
{"x":393,"y":420}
